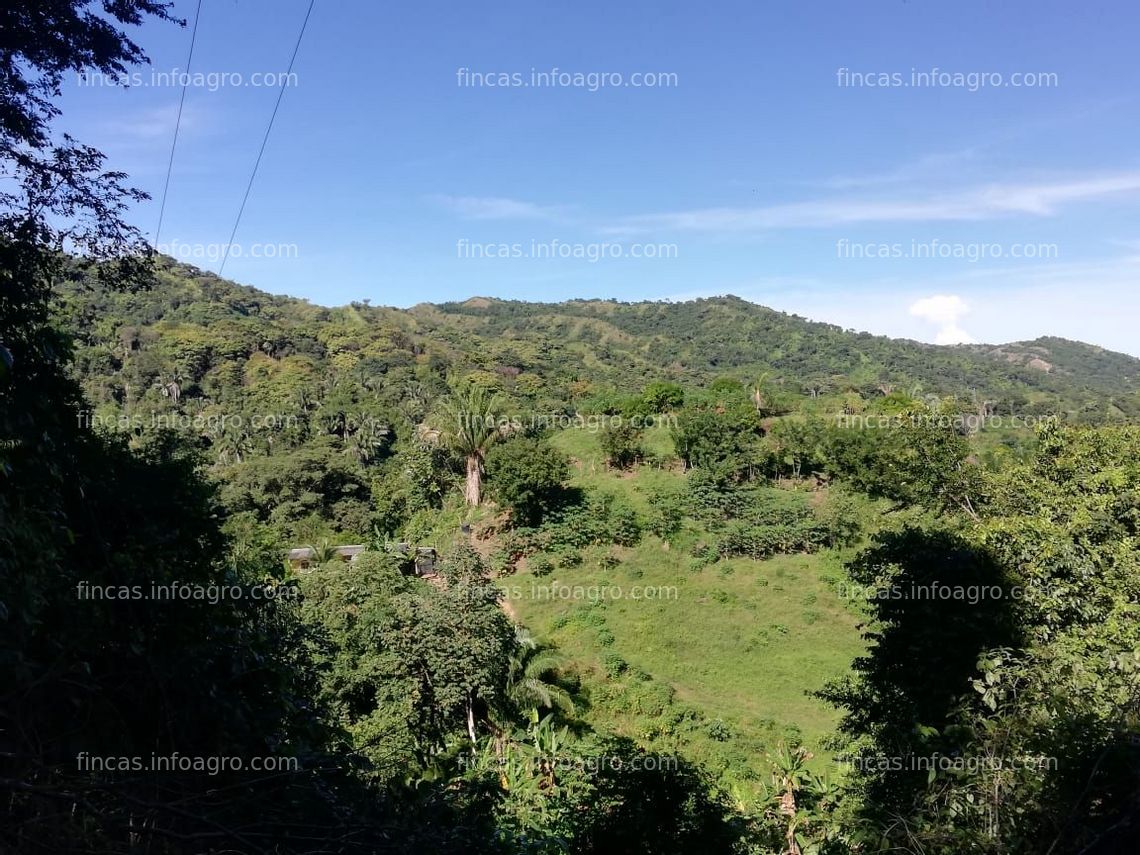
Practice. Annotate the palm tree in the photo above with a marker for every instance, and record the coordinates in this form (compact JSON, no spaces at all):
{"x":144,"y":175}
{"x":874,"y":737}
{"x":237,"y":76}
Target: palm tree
{"x":416,"y":401}
{"x":336,"y":422}
{"x":470,"y":428}
{"x":366,"y":441}
{"x":173,"y":388}
{"x":532,"y":675}
{"x":759,"y":393}
{"x":322,"y":552}
{"x":233,"y":446}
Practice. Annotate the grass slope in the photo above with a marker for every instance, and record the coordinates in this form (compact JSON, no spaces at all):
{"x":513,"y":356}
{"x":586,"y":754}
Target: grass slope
{"x":720,"y":663}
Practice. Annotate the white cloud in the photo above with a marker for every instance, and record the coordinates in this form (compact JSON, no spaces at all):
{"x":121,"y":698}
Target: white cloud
{"x":944,"y":311}
{"x":156,"y":122}
{"x":1096,"y":302}
{"x":924,"y":167}
{"x":979,"y":203}
{"x":496,"y":208}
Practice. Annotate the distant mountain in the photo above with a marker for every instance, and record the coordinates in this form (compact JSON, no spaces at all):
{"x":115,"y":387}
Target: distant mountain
{"x":213,"y":333}
{"x":726,"y":334}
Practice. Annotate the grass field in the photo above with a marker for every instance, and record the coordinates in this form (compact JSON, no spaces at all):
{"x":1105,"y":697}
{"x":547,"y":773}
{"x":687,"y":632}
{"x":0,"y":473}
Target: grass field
{"x":716,"y":664}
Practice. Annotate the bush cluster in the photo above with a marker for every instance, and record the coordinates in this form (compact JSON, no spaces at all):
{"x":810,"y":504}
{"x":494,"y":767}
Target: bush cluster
{"x":601,"y":518}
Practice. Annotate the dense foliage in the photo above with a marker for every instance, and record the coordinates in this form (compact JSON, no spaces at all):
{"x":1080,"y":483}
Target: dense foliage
{"x":166,"y":436}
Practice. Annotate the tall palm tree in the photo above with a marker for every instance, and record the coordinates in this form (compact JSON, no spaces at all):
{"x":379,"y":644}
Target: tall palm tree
{"x":470,"y":428}
{"x":762,"y":394}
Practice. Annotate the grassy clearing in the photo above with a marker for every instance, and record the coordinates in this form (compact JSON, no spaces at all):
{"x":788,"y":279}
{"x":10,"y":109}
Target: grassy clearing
{"x":716,"y":663}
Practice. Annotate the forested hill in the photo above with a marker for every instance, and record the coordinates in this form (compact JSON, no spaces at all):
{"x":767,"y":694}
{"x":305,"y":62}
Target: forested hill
{"x":206,"y":333}
{"x":726,"y":334}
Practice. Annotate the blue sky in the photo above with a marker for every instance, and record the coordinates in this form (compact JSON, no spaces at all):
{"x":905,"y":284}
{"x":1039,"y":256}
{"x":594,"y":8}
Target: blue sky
{"x":759,"y":167}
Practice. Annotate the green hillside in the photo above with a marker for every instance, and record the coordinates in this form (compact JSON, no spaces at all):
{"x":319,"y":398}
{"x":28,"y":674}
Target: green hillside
{"x":495,"y":577}
{"x":648,"y":519}
{"x":720,"y":662}
{"x":212,"y":337}
{"x":722,"y":673}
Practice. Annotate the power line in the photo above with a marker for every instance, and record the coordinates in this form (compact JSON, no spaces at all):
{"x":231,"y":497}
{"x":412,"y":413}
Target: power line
{"x":265,"y":139}
{"x":177,"y":125}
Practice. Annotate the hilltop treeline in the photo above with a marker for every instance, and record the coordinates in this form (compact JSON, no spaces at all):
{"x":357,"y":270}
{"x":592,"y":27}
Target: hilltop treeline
{"x":206,"y":331}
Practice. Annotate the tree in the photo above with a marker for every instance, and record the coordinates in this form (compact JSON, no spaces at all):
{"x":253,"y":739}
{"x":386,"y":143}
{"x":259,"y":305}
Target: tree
{"x":928,"y":463}
{"x":1030,"y":673}
{"x":463,"y":642}
{"x":527,"y":475}
{"x":137,"y":672}
{"x":57,"y":194}
{"x":799,"y":444}
{"x":662,"y":396}
{"x":918,"y":457}
{"x":408,"y":665}
{"x":469,"y":428}
{"x":719,"y":432}
{"x":621,"y":444}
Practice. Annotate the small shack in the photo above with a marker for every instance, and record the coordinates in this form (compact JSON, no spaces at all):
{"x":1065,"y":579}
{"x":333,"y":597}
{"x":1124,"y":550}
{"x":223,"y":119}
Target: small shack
{"x":414,"y":560}
{"x":303,"y":557}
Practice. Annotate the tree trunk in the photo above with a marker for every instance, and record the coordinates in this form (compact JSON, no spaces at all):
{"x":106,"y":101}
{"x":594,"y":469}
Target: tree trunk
{"x":473,"y":491}
{"x":471,"y":718}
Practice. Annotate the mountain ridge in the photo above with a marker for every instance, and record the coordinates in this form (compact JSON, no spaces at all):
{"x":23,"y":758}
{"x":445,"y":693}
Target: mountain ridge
{"x":601,"y":343}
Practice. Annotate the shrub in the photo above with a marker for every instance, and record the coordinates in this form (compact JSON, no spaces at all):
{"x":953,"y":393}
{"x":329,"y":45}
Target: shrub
{"x":777,"y":507}
{"x":708,"y":494}
{"x":841,"y":519}
{"x":652,"y":698}
{"x":715,"y":495}
{"x":609,"y":561}
{"x":590,"y":616}
{"x":520,"y":542}
{"x":502,"y":562}
{"x":569,"y":558}
{"x":541,"y":566}
{"x":704,"y":554}
{"x":761,"y":541}
{"x":635,"y":407}
{"x":615,"y":666}
{"x":663,"y":397}
{"x":601,"y":519}
{"x":624,"y":523}
{"x":666,"y":513}
{"x":462,"y":565}
{"x":719,"y":731}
